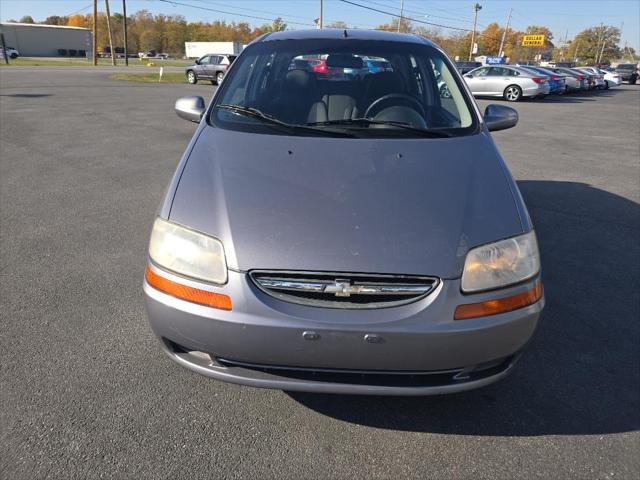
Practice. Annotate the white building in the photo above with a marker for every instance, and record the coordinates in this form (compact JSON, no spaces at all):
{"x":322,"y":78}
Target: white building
{"x":33,"y":40}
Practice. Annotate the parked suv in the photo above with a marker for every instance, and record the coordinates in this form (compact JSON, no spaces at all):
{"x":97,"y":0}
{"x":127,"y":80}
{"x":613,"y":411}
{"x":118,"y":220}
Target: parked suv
{"x":628,"y":72}
{"x":211,"y":67}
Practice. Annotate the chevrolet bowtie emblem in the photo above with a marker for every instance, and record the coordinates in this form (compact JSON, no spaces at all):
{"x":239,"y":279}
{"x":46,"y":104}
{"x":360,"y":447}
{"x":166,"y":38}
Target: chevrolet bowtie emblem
{"x":342,"y":288}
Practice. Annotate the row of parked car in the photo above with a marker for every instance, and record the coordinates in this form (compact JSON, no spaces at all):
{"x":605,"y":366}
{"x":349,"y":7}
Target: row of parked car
{"x":515,"y":82}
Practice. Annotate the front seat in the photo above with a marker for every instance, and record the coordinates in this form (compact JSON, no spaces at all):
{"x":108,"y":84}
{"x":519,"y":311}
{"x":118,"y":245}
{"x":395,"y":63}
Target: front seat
{"x":298,"y":103}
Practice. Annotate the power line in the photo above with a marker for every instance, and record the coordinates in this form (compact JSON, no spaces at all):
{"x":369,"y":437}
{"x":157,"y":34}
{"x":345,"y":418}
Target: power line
{"x":255,"y":17}
{"x":423,"y":13}
{"x":248,"y":9}
{"x":78,"y":11}
{"x":415,"y":20}
{"x":404,"y":16}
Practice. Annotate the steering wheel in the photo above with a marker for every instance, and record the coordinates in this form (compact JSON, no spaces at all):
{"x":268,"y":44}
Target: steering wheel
{"x":394,"y":99}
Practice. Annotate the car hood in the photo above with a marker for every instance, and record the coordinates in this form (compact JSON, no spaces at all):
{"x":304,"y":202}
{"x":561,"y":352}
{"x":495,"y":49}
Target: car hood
{"x":396,"y":206}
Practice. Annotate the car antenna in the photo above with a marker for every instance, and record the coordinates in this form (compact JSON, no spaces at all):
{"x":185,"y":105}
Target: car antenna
{"x":345,"y":33}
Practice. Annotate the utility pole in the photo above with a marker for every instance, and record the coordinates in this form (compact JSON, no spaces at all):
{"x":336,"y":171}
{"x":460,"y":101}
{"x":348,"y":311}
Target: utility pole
{"x":124,"y":25}
{"x":476,"y":7}
{"x":320,"y":19}
{"x":604,"y":42}
{"x":575,"y":53}
{"x":113,"y":52}
{"x":95,"y":33}
{"x":504,"y":34}
{"x":4,"y":48}
{"x":600,"y":37}
{"x":401,"y":12}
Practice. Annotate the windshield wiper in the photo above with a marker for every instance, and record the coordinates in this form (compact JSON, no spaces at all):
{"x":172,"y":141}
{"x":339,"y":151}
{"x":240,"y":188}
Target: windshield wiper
{"x":270,"y":119}
{"x":365,"y":122}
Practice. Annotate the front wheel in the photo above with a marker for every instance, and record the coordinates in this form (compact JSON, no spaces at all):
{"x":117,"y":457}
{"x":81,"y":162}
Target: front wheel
{"x":192,"y":77}
{"x":219,"y":77}
{"x":606,"y":84}
{"x":512,"y":93}
{"x":632,"y":80}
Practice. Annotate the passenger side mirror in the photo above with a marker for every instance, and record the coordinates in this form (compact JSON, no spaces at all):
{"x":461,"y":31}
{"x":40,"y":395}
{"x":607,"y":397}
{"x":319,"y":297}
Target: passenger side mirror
{"x":500,"y":117}
{"x":190,"y":108}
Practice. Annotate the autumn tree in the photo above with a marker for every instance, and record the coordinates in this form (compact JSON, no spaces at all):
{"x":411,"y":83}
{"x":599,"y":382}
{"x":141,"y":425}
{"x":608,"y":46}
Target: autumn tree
{"x":431,"y":33}
{"x":27,"y":19}
{"x":405,"y":25}
{"x":588,"y":44}
{"x":489,"y":40}
{"x":56,"y":20}
{"x":78,"y":21}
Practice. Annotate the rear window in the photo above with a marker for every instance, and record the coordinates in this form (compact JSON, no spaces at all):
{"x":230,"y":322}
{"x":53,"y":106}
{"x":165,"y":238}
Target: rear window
{"x":335,"y":85}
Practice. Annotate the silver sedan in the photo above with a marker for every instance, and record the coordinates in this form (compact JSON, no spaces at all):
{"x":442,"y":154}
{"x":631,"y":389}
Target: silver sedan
{"x":508,"y":82}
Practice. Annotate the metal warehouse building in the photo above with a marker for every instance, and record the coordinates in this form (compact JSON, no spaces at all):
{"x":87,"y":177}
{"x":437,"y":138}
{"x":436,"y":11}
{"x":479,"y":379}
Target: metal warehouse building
{"x":33,"y":40}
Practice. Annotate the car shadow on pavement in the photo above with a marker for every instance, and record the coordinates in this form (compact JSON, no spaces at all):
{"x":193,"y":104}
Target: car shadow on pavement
{"x":580,"y":372}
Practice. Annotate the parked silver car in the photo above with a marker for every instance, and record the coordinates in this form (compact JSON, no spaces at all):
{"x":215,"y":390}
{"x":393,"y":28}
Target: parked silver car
{"x":344,"y":234}
{"x":597,"y":76}
{"x":574,"y":80}
{"x":509,"y":82}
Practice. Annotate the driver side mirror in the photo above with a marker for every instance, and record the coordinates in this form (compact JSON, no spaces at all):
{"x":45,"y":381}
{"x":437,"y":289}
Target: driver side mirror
{"x":190,"y":108}
{"x":197,"y":62}
{"x":500,"y":117}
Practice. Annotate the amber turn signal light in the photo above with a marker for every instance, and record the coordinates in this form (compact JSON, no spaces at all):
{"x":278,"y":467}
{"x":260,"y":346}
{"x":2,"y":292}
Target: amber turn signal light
{"x":190,"y":294}
{"x":500,"y":305}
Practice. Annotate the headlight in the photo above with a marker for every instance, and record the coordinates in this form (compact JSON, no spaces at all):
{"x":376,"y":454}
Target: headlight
{"x":501,"y":263}
{"x":187,"y":252}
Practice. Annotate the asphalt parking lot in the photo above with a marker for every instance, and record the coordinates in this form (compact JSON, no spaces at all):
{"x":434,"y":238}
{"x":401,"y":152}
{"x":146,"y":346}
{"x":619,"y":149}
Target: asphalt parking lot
{"x":87,"y":393}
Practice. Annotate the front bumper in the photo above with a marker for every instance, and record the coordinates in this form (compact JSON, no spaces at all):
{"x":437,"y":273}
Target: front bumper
{"x":419,"y":348}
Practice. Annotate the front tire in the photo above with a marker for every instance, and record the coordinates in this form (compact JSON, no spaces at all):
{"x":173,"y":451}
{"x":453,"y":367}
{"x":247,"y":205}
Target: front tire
{"x":512,"y":93}
{"x":219,"y":77}
{"x":192,"y":78}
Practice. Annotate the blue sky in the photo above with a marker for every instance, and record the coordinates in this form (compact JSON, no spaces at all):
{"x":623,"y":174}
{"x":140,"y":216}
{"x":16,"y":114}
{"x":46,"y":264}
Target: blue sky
{"x":561,"y":16}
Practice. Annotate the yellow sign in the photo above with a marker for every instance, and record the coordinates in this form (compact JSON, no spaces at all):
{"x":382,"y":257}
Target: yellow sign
{"x":533,"y":40}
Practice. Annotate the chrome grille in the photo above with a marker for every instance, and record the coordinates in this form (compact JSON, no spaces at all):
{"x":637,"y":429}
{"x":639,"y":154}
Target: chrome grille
{"x":343,"y":290}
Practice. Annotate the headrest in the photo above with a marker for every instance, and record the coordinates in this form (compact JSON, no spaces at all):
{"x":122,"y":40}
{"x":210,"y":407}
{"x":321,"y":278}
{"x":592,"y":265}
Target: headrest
{"x":379,"y":84}
{"x":342,"y":60}
{"x":299,"y":80}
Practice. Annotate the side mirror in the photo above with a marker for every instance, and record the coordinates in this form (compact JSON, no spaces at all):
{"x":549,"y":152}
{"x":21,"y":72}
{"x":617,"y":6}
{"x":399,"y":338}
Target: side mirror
{"x":500,"y":117}
{"x":190,"y":108}
{"x":197,"y":62}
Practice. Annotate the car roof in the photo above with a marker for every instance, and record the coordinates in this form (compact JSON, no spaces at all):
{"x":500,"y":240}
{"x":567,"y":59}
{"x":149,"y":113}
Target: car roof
{"x":339,"y":33}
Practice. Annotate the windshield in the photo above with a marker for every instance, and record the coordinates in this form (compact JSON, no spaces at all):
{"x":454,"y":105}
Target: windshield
{"x":364,"y":88}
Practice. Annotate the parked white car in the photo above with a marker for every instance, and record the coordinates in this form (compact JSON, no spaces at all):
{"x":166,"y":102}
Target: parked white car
{"x":611,"y":79}
{"x":11,"y":53}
